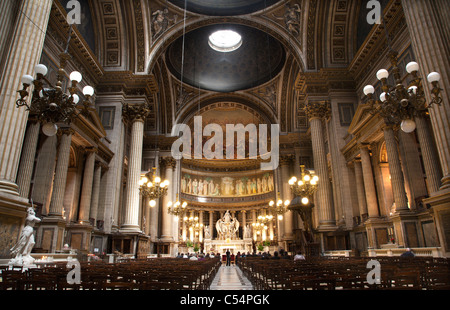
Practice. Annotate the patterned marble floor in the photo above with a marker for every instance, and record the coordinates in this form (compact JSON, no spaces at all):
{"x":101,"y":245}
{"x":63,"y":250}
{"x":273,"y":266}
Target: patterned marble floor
{"x":230,"y":278}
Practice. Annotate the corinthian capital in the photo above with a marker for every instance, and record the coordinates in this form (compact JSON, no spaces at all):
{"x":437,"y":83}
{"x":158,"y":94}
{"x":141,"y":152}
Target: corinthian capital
{"x":135,"y":112}
{"x":168,"y":162}
{"x":317,"y":109}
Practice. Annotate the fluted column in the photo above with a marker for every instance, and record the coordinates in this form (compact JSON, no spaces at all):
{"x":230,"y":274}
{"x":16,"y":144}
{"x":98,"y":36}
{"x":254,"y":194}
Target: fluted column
{"x":395,"y":169}
{"x":360,"y":188}
{"x":369,"y":183}
{"x":285,"y":162}
{"x":24,"y":54}
{"x":95,"y":193}
{"x":432,"y":170}
{"x":62,"y":165}
{"x":167,"y":222}
{"x":136,"y":115}
{"x":428,"y":27}
{"x":316,"y":111}
{"x":86,"y":190}
{"x":254,"y":221}
{"x":27,"y":159}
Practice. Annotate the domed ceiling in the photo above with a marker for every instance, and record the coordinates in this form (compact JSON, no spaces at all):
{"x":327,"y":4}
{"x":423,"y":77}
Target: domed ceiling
{"x":224,"y":7}
{"x":258,"y":60}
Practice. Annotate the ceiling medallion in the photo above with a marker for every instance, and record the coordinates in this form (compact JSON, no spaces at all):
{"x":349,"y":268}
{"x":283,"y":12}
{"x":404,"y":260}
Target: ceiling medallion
{"x":225,"y":41}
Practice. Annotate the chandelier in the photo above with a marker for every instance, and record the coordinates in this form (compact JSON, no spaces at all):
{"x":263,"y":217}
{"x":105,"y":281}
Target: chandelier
{"x":279,"y":207}
{"x":193,"y":225}
{"x":150,"y":186}
{"x":261,"y":224}
{"x":50,"y":104}
{"x":177,"y":209}
{"x":306,"y":186}
{"x":400,"y":104}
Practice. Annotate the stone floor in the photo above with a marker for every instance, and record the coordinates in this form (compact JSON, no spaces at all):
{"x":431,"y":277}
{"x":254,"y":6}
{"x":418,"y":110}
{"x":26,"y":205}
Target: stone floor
{"x":230,"y":278}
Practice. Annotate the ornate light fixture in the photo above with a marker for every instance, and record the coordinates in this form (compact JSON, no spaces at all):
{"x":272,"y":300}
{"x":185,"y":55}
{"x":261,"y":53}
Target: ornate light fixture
{"x":177,"y":209}
{"x":305,"y":187}
{"x":193,"y":225}
{"x":279,"y":207}
{"x":150,"y":186}
{"x":399,"y":104}
{"x":49,"y":104}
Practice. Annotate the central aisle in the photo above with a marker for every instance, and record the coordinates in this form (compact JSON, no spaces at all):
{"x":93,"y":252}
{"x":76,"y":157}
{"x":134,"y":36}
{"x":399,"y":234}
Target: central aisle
{"x":230,"y":278}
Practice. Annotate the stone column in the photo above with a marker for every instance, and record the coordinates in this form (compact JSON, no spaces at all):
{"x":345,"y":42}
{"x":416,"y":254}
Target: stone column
{"x":430,"y":34}
{"x":285,"y":162}
{"x":395,"y":169}
{"x":27,"y":159}
{"x":200,"y":221}
{"x":95,"y":194}
{"x":136,"y":114}
{"x":62,"y":165}
{"x":316,"y":111}
{"x":360,"y":188}
{"x":167,"y":219}
{"x":24,"y":54}
{"x":369,"y":183}
{"x":211,"y":224}
{"x":432,"y":170}
{"x":86,"y":190}
{"x":254,"y":221}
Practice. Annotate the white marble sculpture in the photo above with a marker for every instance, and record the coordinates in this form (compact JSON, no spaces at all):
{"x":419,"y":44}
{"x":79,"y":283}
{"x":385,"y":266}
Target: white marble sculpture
{"x":247,"y":232}
{"x":227,"y":227}
{"x":207,"y":232}
{"x":21,"y":251}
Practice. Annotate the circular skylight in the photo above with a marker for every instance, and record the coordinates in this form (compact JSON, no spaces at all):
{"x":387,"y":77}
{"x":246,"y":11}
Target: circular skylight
{"x":225,"y":40}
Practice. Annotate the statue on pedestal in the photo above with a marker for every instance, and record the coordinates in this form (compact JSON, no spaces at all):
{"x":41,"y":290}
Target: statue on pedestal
{"x":207,"y":232}
{"x":21,"y":251}
{"x":227,"y":227}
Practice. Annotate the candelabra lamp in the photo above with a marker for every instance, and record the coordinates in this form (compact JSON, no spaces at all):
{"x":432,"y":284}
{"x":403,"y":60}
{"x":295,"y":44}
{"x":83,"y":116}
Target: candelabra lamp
{"x":151,"y":186}
{"x":51,"y":104}
{"x":177,"y":208}
{"x":279,"y":207}
{"x":400,"y":103}
{"x":305,"y":187}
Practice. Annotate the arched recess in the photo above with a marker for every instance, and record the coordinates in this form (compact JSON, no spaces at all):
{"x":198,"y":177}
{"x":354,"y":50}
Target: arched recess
{"x":240,"y":101}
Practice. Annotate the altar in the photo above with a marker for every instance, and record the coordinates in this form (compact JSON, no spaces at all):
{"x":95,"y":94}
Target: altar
{"x":235,"y":246}
{"x":227,"y":239}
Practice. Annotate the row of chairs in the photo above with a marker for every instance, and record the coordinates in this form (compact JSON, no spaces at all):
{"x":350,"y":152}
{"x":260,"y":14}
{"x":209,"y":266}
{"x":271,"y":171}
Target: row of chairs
{"x":151,"y":274}
{"x":347,"y":274}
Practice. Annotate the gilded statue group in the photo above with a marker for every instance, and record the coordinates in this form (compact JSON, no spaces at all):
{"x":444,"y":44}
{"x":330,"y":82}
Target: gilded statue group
{"x":227,"y":186}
